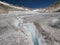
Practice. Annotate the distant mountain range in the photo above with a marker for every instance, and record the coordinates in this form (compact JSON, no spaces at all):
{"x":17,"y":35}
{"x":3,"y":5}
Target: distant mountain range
{"x":5,"y":7}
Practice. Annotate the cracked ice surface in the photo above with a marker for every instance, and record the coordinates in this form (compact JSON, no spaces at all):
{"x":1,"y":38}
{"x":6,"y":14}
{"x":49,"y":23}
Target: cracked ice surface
{"x":10,"y":34}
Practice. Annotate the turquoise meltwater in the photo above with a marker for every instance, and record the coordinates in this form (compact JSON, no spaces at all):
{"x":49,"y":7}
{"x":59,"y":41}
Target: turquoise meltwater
{"x":30,"y":27}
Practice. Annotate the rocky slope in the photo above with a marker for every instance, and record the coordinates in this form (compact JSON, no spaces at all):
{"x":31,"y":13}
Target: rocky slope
{"x":54,"y":7}
{"x":5,"y":7}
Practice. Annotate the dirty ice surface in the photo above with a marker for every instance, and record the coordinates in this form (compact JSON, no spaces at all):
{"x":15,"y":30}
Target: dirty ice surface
{"x":27,"y":29}
{"x":15,"y":32}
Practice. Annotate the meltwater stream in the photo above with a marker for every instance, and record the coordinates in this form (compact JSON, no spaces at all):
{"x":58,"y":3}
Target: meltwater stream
{"x":29,"y":28}
{"x":32,"y":29}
